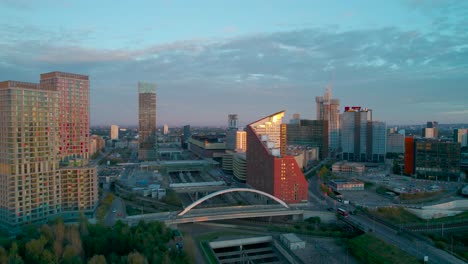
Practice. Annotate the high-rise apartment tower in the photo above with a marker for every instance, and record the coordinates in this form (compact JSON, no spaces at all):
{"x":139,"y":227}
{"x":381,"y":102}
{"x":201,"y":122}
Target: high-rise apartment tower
{"x":147,"y":121}
{"x":44,"y":150}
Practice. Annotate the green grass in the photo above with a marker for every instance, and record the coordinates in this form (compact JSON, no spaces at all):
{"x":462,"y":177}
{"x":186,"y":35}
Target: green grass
{"x":459,"y":240}
{"x":370,"y":249}
{"x":462,"y":216}
{"x":399,"y":215}
{"x":396,"y":215}
{"x":381,"y":190}
{"x":421,"y":196}
{"x":210,"y":257}
{"x":368,"y":185}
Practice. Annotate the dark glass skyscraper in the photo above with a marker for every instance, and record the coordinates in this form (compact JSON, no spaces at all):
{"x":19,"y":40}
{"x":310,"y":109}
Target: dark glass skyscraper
{"x":310,"y":133}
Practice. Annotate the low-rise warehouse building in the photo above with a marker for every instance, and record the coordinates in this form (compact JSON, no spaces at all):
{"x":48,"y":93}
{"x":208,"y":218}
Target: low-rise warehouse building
{"x":346,"y":185}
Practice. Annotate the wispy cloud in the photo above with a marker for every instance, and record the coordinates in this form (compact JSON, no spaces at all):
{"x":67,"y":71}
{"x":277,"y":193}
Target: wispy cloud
{"x":284,"y":69}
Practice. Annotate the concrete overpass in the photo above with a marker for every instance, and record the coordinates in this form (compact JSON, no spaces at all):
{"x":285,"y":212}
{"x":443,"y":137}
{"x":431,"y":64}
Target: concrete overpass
{"x":191,"y":215}
{"x":213,"y":214}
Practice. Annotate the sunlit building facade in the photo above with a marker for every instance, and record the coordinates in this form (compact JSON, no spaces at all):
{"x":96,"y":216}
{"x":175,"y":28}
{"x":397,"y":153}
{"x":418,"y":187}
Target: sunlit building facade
{"x":114,"y":132}
{"x":29,"y":165}
{"x":74,"y":140}
{"x":241,"y":141}
{"x":460,"y":135}
{"x":268,"y":168}
{"x":146,"y":121}
{"x":73,"y":118}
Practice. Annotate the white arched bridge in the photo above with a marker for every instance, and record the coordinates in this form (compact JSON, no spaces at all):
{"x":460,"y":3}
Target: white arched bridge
{"x":219,"y":213}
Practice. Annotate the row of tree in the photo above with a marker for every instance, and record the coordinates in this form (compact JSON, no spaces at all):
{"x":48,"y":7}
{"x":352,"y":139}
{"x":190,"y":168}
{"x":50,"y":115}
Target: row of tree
{"x":88,"y":243}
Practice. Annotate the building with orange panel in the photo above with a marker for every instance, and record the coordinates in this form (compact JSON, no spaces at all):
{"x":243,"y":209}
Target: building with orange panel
{"x":268,"y":169}
{"x":409,"y":155}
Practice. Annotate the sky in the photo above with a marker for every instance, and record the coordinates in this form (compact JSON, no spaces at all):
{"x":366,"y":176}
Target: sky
{"x":407,"y":60}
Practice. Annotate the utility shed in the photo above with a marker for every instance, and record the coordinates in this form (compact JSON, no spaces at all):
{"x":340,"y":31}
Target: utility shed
{"x":291,"y":241}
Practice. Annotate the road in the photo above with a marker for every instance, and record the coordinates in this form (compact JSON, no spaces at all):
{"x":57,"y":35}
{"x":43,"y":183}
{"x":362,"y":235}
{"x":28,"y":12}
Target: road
{"x":116,"y":211}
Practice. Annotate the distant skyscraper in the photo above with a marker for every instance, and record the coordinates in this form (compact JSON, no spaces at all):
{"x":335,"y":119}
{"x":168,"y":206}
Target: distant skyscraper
{"x":147,"y":121}
{"x":395,"y":143}
{"x":114,"y":132}
{"x":50,"y":156}
{"x":329,"y":109}
{"x":295,"y":119}
{"x":233,"y":121}
{"x":231,"y":132}
{"x":268,"y":169}
{"x":361,"y":138}
{"x":165,"y":129}
{"x":431,"y":130}
{"x":379,"y":141}
{"x":311,"y":133}
{"x":354,"y":133}
{"x":186,"y":136}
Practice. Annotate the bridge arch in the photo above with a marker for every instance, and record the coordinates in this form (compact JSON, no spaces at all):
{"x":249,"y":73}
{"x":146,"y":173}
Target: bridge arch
{"x":211,"y":195}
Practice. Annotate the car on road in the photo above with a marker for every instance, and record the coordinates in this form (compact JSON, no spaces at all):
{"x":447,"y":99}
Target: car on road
{"x":114,"y":211}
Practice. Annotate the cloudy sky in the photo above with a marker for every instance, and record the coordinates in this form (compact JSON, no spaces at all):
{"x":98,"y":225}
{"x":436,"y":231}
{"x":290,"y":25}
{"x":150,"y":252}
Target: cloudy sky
{"x":406,"y":60}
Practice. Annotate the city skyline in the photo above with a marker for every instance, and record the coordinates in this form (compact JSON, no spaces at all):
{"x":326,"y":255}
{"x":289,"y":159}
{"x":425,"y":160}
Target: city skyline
{"x":255,"y":59}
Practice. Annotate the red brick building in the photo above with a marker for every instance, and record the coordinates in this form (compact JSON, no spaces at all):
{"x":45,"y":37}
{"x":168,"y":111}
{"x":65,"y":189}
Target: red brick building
{"x":268,"y":169}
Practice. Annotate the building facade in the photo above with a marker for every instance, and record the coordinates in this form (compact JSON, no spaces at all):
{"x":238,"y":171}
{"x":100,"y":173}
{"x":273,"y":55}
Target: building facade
{"x":347,"y":185}
{"x":355,"y":139}
{"x":431,"y":130}
{"x":309,"y":133}
{"x":210,"y":146}
{"x":241,"y":141}
{"x":268,"y":169}
{"x":146,"y":121}
{"x":460,"y":135}
{"x":379,"y":141}
{"x":231,"y":133}
{"x":114,"y":135}
{"x":362,"y":139}
{"x":432,"y":159}
{"x":165,"y":129}
{"x":329,"y":109}
{"x":44,"y":132}
{"x":239,"y":166}
{"x":186,"y":136}
{"x":395,"y":143}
